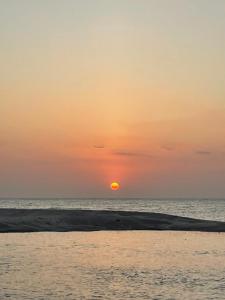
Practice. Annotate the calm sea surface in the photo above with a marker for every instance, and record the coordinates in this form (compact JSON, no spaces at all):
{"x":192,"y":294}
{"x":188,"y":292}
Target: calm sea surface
{"x":115,"y":265}
{"x":210,"y":209}
{"x":112,"y":265}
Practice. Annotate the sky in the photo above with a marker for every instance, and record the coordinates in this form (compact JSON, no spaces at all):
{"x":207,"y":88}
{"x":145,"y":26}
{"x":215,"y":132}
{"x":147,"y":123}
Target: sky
{"x":95,"y":91}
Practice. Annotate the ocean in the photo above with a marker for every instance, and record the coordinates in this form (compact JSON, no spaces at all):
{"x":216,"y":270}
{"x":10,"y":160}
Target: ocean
{"x":151,"y":265}
{"x":108,"y":265}
{"x":209,"y":209}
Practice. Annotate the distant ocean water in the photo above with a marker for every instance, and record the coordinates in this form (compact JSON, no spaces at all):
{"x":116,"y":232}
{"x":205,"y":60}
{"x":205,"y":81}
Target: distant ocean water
{"x":209,"y":209}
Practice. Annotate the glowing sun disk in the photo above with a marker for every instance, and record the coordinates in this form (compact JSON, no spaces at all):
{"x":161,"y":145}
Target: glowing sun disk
{"x":115,"y":186}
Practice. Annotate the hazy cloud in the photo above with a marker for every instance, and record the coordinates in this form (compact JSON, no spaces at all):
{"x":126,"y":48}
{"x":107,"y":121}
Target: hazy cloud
{"x":203,"y":152}
{"x":99,"y":146}
{"x":167,"y":148}
{"x":131,"y":154}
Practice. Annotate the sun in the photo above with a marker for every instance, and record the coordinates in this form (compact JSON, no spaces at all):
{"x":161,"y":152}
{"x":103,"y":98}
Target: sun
{"x":115,"y":186}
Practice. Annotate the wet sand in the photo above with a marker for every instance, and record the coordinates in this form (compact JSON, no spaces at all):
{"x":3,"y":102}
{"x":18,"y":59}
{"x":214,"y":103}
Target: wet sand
{"x":36,"y":220}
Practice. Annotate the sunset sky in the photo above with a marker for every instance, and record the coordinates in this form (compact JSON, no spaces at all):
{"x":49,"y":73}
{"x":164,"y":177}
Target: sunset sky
{"x":95,"y":91}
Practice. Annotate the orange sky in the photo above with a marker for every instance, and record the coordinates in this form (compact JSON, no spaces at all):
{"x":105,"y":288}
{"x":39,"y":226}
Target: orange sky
{"x":97,"y":91}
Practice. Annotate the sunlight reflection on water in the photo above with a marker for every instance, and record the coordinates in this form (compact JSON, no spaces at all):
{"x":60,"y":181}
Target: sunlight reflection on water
{"x":112,"y":265}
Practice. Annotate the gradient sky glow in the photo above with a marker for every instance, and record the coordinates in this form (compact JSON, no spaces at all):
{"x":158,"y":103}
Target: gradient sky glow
{"x":95,"y":91}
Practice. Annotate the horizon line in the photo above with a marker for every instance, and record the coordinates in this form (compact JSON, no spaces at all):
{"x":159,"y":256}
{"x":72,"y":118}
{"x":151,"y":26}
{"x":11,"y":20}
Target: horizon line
{"x":108,"y":198}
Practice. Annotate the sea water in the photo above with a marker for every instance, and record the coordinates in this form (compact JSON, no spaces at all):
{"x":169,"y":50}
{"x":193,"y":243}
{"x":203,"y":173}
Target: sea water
{"x":112,"y":265}
{"x":115,"y":265}
{"x":211,"y":209}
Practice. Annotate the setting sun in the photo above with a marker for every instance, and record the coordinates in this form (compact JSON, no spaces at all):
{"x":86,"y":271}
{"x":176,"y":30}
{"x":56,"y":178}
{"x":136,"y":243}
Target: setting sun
{"x":115,"y":186}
